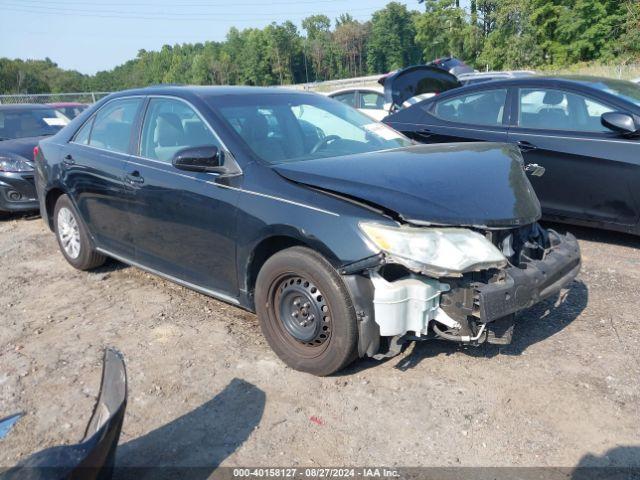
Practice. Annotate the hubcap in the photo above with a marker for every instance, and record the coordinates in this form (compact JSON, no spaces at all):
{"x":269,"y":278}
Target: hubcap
{"x":68,"y":232}
{"x":303,"y":311}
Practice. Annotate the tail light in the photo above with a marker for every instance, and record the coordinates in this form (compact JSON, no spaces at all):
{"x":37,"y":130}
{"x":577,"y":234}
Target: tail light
{"x":36,"y":151}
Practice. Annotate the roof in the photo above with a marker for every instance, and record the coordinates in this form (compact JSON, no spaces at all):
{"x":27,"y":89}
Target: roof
{"x":24,"y":106}
{"x":67,"y":104}
{"x":503,"y":73}
{"x":353,"y":89}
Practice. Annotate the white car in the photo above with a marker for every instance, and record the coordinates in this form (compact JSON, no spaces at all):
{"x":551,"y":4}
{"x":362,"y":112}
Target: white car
{"x":368,"y":100}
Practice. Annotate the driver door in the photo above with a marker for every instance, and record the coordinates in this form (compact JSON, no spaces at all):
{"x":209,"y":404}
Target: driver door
{"x":589,"y":174}
{"x":183,"y":223}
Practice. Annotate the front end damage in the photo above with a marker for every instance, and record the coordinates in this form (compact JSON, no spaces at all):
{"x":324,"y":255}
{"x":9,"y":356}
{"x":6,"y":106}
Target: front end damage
{"x":397,"y":301}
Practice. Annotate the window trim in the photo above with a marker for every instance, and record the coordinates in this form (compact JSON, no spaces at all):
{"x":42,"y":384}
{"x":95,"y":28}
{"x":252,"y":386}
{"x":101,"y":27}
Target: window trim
{"x":516,"y":123}
{"x":504,"y":123}
{"x":94,"y":116}
{"x":75,"y":135}
{"x":138,"y":152}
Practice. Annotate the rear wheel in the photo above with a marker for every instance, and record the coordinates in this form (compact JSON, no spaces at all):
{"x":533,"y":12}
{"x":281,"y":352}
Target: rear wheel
{"x":73,"y":237}
{"x":306,"y":312}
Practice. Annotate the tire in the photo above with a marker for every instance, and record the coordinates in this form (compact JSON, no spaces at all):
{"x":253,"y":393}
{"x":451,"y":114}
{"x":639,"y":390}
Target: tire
{"x":305,"y":312}
{"x":79,"y":252}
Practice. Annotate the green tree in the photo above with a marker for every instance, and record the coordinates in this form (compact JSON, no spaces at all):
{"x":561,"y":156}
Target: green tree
{"x":392,"y":41}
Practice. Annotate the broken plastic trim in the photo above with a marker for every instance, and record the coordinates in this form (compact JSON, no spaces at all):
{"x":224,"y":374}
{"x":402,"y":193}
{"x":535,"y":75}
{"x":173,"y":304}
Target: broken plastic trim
{"x":94,"y":457}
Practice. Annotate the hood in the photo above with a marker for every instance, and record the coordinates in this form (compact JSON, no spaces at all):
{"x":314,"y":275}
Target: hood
{"x":470,"y":184}
{"x":20,"y":146}
{"x":409,"y":82}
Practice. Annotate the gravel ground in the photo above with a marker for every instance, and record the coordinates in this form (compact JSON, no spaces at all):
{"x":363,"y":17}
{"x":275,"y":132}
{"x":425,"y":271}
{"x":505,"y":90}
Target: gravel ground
{"x":205,"y":389}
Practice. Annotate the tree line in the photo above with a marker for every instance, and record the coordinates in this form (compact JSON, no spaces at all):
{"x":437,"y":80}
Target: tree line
{"x":493,"y":34}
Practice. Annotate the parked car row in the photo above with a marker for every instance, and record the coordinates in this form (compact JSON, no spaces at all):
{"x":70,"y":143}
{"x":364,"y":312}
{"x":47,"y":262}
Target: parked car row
{"x":347,"y":237}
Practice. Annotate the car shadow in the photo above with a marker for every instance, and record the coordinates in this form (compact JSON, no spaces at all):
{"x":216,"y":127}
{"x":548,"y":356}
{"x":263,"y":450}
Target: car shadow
{"x":620,"y":463}
{"x":111,"y":265}
{"x":7,"y":217}
{"x":596,"y":235}
{"x":534,"y":325}
{"x":193,"y":445}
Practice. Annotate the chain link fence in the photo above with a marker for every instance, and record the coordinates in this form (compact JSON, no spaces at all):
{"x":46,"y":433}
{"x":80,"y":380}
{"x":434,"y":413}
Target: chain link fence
{"x":81,"y":97}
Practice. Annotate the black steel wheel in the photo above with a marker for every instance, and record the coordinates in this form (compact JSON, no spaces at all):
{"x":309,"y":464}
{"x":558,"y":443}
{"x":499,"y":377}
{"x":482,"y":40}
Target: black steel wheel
{"x":305,"y":312}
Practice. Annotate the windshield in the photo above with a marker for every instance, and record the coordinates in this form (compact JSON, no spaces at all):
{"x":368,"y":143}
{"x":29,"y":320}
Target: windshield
{"x":36,"y":122}
{"x":629,"y":91}
{"x":285,"y":128}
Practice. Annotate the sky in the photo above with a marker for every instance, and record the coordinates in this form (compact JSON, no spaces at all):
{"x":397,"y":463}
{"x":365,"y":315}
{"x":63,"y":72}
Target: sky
{"x":93,"y":35}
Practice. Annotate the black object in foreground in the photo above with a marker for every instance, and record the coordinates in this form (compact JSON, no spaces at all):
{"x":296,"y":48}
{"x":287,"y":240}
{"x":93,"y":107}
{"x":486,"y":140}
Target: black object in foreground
{"x":94,"y":456}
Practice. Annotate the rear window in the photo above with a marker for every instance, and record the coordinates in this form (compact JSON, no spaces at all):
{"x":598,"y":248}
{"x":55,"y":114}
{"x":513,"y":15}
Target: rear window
{"x":22,"y":123}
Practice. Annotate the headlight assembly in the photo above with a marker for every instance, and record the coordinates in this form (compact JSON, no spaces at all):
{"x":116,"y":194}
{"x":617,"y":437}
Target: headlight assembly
{"x":14,"y":163}
{"x":439,"y":252}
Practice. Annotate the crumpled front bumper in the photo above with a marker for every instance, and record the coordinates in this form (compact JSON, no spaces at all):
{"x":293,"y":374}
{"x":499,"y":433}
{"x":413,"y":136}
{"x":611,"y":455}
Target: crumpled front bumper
{"x":521,"y":288}
{"x":411,"y":306}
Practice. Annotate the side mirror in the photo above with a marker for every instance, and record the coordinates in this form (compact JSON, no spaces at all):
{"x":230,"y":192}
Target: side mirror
{"x":199,"y":159}
{"x":619,"y":122}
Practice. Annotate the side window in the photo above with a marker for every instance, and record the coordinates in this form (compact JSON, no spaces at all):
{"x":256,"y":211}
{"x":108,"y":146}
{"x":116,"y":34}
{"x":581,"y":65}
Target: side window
{"x":479,"y":108}
{"x":371,"y":101}
{"x":113,"y":125}
{"x":348,"y":98}
{"x":550,"y":109}
{"x":82,"y":135}
{"x":171,"y":125}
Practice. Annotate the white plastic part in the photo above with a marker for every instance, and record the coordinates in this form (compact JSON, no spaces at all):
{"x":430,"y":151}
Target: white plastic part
{"x":408,"y":305}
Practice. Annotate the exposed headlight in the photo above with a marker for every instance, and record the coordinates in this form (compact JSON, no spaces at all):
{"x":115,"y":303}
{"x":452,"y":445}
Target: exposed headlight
{"x":14,"y":163}
{"x":439,"y":252}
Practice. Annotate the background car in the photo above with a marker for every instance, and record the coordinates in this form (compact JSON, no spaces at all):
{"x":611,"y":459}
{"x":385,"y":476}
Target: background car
{"x":479,"y":77}
{"x":452,"y":65}
{"x":405,"y":87}
{"x":70,"y":109}
{"x":369,"y":101}
{"x":21,"y":127}
{"x":581,"y":131}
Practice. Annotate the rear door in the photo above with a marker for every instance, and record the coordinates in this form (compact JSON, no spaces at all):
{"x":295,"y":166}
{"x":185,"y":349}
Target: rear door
{"x":93,"y":172}
{"x":479,"y":115}
{"x":589,"y":174}
{"x":183,"y":223}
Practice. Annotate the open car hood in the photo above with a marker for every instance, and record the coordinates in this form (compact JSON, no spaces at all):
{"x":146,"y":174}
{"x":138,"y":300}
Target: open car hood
{"x":470,"y":184}
{"x":401,"y":85}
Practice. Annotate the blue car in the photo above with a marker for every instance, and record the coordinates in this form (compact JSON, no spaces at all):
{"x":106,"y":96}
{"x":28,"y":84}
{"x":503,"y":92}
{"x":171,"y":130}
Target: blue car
{"x":345,"y":237}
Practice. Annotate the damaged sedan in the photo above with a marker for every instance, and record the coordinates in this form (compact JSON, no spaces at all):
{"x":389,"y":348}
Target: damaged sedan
{"x":345,"y":237}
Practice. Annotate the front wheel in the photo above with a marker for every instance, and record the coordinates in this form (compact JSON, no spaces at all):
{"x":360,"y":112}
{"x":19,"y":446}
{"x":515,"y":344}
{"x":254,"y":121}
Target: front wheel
{"x":73,"y":237}
{"x":305,"y":312}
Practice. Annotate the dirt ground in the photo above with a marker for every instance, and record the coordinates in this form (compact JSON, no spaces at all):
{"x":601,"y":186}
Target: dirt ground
{"x":205,"y":389}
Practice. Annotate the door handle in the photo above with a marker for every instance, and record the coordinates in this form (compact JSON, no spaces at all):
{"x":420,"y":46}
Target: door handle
{"x":68,"y":160}
{"x":134,"y":178}
{"x":526,"y":146}
{"x":534,"y":169}
{"x":424,"y":132}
